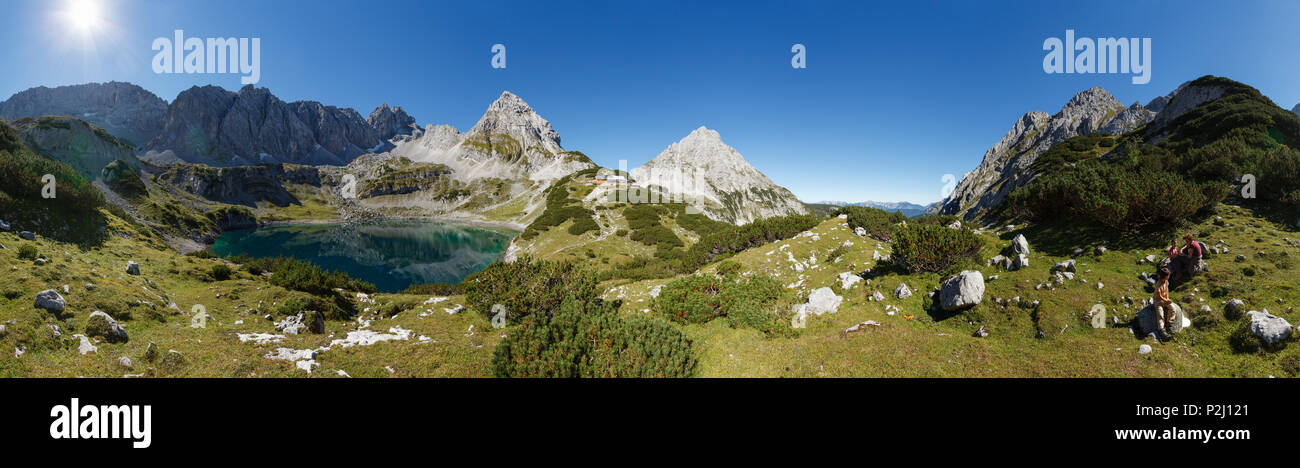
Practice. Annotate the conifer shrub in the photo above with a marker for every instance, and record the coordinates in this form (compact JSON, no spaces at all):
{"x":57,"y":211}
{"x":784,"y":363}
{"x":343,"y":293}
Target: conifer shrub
{"x":27,"y":252}
{"x":734,"y":239}
{"x":932,"y":248}
{"x":877,"y":222}
{"x":586,"y":338}
{"x":744,"y":301}
{"x":219,"y":272}
{"x":526,"y":287}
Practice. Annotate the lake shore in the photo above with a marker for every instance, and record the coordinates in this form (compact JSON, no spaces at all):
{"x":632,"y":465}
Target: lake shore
{"x":463,"y":221}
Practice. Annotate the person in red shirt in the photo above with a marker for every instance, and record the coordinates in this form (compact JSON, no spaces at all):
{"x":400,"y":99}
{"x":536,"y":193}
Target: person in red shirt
{"x":1185,"y":262}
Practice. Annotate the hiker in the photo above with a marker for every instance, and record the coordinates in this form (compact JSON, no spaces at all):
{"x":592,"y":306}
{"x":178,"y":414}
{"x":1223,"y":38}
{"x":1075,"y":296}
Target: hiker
{"x":1164,"y":307}
{"x":1185,"y":262}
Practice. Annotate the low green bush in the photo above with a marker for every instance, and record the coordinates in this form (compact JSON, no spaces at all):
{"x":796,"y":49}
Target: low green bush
{"x":745,"y":301}
{"x":27,"y":252}
{"x":877,"y":222}
{"x":932,"y":248}
{"x":588,"y":338}
{"x":220,"y":272}
{"x":526,"y":287}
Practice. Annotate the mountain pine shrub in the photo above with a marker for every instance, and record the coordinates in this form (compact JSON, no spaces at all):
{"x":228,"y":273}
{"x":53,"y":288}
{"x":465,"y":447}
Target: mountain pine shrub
{"x":734,"y":239}
{"x":932,"y":248}
{"x":745,"y":301}
{"x":878,"y":223}
{"x":588,"y":338}
{"x":527,"y":286}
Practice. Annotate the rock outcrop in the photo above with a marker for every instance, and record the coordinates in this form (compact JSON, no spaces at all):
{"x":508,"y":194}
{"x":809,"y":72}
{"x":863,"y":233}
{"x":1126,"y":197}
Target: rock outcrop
{"x":966,"y":289}
{"x":390,"y":122}
{"x":716,"y":179}
{"x":213,"y":126}
{"x":123,"y":109}
{"x":1269,"y":328}
{"x":1006,"y":166}
{"x":50,"y":300}
{"x":510,"y":141}
{"x":102,"y":326}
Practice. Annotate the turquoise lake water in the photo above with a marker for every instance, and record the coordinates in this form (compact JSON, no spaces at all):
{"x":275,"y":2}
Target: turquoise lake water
{"x":390,"y":254}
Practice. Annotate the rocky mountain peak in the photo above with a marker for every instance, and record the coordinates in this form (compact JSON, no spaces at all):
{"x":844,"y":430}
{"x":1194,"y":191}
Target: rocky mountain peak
{"x":1296,"y":109}
{"x":1091,"y":98}
{"x":511,"y":116}
{"x":123,"y":109}
{"x":725,"y":186}
{"x":391,"y":121}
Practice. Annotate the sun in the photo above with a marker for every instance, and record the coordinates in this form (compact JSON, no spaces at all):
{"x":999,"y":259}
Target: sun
{"x":83,"y":14}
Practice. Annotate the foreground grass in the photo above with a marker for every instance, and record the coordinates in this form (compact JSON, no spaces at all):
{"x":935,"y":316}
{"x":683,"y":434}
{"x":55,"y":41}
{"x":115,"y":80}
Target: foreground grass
{"x":143,"y":304}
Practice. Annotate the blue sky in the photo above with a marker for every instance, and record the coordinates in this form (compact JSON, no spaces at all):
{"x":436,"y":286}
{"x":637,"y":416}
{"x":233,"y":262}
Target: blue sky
{"x":895,"y":95}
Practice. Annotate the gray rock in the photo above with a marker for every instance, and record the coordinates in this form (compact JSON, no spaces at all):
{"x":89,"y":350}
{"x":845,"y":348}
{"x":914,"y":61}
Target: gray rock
{"x":1020,"y":245}
{"x":1235,"y":307}
{"x":4,"y":226}
{"x":876,"y":296}
{"x":102,"y":326}
{"x":125,"y":362}
{"x":50,"y":300}
{"x":1022,"y":261}
{"x":861,"y":232}
{"x":27,"y":235}
{"x":389,"y":122}
{"x":1066,"y":266}
{"x":132,"y":268}
{"x":982,"y":332}
{"x":85,"y":347}
{"x":292,"y":325}
{"x":1269,"y":328}
{"x":151,"y":352}
{"x":820,"y":301}
{"x":1149,"y":320}
{"x":966,"y":289}
{"x":902,"y":292}
{"x":1099,"y":251}
{"x":1144,"y":349}
{"x":123,"y":109}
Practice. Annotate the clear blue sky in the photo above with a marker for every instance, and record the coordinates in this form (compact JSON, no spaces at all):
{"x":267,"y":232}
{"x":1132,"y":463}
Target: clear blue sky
{"x":894,"y":96}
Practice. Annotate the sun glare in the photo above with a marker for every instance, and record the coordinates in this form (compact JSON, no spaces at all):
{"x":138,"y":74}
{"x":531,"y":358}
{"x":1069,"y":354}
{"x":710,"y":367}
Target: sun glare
{"x":83,"y":14}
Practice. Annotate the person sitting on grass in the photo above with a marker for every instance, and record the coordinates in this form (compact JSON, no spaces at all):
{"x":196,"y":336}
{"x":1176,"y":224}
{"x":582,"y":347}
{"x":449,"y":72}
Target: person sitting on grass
{"x":1164,"y":307}
{"x":1185,"y":262}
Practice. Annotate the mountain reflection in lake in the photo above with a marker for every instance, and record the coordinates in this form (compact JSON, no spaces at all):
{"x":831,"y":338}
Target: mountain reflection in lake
{"x":391,"y":254}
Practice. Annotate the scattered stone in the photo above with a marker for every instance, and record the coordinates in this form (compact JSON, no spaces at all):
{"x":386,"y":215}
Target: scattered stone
{"x":151,"y":352}
{"x":876,"y":296}
{"x":1066,"y":266}
{"x":27,"y":235}
{"x":85,"y":347}
{"x":1218,"y":221}
{"x":982,"y":332}
{"x":847,"y":280}
{"x":50,"y":300}
{"x":1234,"y":307}
{"x":963,"y":290}
{"x":862,"y":326}
{"x":125,"y":362}
{"x":902,"y":292}
{"x":1144,"y":349}
{"x":132,"y":268}
{"x":1149,"y":320}
{"x":860,"y":231}
{"x":1099,"y":285}
{"x":1099,"y":251}
{"x":305,"y":321}
{"x":1022,"y":261}
{"x":1205,"y":309}
{"x":1269,"y":328}
{"x":655,"y":292}
{"x":1000,"y":261}
{"x":1020,"y":245}
{"x":1241,"y":258}
{"x":102,"y":325}
{"x":955,"y":225}
{"x":822,"y":300}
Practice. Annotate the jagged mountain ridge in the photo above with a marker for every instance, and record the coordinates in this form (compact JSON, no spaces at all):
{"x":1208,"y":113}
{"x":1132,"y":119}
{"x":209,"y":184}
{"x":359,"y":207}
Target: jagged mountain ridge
{"x":510,"y":141}
{"x":906,"y":208}
{"x":125,"y":110}
{"x":213,"y":126}
{"x":1005,"y":166}
{"x":723,"y":185}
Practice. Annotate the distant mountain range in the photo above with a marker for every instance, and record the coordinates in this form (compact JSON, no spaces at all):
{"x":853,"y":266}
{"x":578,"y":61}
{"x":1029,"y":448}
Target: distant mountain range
{"x":511,"y":155}
{"x":907,"y":209}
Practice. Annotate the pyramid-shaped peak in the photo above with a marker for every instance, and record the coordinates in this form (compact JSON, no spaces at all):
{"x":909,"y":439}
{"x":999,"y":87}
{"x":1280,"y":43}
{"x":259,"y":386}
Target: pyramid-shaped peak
{"x":510,"y":101}
{"x":1095,"y":96}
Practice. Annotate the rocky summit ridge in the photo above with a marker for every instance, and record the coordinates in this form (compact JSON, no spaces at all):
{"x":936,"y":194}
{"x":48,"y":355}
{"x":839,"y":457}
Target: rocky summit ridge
{"x":723,"y":185}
